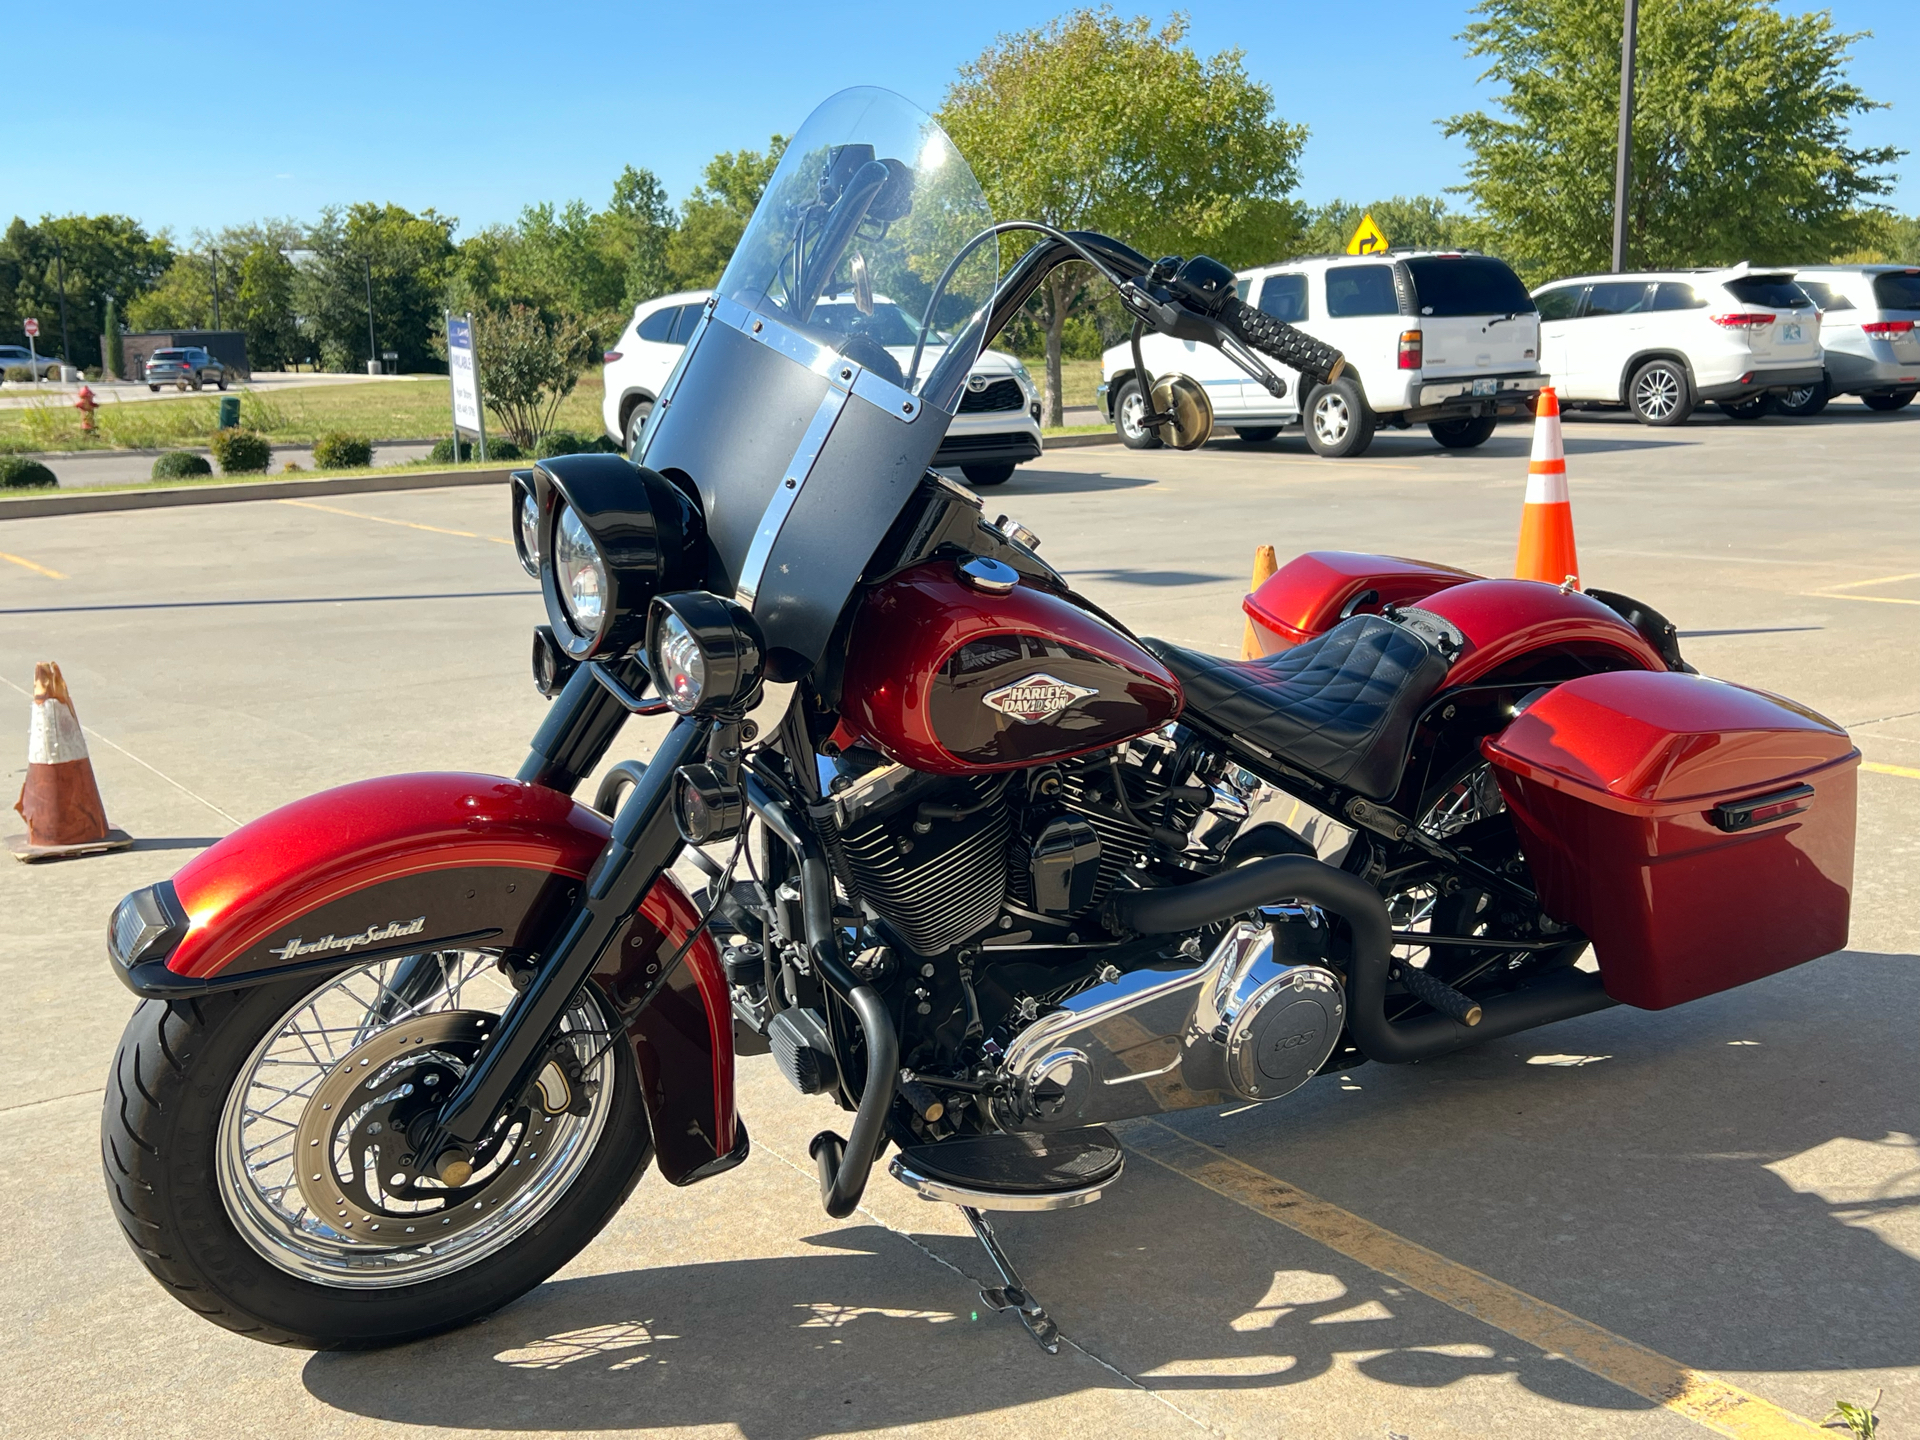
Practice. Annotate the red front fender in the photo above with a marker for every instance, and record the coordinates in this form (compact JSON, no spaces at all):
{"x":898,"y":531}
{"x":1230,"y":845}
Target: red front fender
{"x":412,"y":863}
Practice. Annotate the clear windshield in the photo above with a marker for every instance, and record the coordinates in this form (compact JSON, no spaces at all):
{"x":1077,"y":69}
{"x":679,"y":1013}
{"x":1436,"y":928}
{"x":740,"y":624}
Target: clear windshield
{"x":817,"y":388}
{"x":870,"y":207}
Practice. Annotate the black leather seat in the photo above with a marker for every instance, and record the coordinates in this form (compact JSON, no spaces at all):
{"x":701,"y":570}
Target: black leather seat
{"x":1341,"y":705}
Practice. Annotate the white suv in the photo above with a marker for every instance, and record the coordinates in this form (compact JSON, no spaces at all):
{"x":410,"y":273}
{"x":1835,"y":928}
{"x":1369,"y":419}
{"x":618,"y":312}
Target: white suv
{"x":997,"y":428}
{"x":1435,"y":337}
{"x":1664,"y":341}
{"x":1870,"y":326}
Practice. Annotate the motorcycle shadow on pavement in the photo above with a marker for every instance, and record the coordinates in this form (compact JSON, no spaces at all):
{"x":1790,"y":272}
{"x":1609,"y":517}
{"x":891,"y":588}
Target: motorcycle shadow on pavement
{"x":1029,"y":480}
{"x":1705,"y":1181}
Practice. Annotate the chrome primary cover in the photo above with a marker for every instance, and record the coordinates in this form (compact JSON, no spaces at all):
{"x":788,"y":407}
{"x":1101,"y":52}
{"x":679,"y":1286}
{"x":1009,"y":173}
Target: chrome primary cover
{"x":1243,"y":1025}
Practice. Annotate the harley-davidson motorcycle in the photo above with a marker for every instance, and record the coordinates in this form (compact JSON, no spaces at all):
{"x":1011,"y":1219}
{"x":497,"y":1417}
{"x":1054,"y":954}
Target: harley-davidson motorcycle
{"x":980,"y":865}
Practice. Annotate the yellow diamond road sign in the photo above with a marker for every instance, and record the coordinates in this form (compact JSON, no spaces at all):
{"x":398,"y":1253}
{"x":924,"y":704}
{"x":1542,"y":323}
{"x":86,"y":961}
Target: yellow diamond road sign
{"x":1368,"y":239}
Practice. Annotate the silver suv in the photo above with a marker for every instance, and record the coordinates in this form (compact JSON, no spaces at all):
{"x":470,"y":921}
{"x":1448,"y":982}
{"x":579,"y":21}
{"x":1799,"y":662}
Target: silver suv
{"x":1870,"y":325}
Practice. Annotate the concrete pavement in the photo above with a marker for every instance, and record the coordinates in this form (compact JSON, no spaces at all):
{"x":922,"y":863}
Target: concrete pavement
{"x":1729,"y":1186}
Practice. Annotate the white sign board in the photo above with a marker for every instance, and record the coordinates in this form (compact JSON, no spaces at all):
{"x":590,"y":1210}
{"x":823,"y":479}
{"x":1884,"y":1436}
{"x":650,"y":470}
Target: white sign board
{"x":466,"y":383}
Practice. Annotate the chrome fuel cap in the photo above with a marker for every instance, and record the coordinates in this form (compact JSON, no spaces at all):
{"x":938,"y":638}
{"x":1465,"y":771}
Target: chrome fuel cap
{"x":991,"y":576}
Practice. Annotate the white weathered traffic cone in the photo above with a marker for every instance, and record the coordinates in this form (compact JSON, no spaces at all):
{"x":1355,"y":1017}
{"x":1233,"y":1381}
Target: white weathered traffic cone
{"x":60,"y":800}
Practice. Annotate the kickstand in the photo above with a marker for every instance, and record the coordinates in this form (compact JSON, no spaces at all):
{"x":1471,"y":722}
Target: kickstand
{"x":1012,"y":1295}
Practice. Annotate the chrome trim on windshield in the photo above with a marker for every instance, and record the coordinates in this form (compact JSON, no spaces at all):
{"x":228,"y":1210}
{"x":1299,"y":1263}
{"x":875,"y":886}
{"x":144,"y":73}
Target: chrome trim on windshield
{"x":784,"y":340}
{"x":787,"y":494}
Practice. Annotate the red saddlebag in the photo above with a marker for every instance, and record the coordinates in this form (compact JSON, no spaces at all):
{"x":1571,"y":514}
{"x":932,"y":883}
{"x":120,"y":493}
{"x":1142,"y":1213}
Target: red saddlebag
{"x":1700,"y":833}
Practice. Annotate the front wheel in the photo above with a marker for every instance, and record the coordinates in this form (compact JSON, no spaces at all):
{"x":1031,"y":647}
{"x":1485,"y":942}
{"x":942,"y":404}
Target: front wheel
{"x":1129,"y":409}
{"x":1464,"y":433}
{"x":1898,"y":400}
{"x":1660,"y":393}
{"x":221,"y":383}
{"x":978,"y":475}
{"x":1339,"y":422}
{"x":255,"y":1150}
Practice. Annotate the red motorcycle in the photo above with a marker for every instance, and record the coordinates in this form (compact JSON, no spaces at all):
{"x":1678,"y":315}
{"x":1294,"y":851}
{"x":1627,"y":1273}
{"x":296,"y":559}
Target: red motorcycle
{"x":982,"y":866}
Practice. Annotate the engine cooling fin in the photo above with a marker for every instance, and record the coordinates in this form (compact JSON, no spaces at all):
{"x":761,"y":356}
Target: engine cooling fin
{"x":939,"y":888}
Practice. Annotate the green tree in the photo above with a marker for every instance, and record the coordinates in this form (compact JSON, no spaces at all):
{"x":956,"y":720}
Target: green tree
{"x":1740,"y":138}
{"x":716,"y":214}
{"x":113,"y":364}
{"x":1418,"y":221}
{"x":528,"y":365}
{"x":104,"y":255}
{"x":646,"y":219}
{"x":1106,"y":124}
{"x":183,"y":297}
{"x":264,"y":306}
{"x":407,"y":256}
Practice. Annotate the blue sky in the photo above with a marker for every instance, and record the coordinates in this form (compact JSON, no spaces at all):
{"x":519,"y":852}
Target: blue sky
{"x":196,"y":119}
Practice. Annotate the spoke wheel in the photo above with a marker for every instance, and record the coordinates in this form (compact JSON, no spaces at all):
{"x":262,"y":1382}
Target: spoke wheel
{"x":314,"y":1166}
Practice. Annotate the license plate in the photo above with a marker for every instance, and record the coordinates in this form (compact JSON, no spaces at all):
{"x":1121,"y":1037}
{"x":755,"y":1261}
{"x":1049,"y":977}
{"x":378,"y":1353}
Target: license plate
{"x":1790,"y":332}
{"x":1486,"y":387}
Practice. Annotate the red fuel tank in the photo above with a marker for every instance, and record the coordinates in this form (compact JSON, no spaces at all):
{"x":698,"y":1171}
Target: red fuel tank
{"x":953,"y":676}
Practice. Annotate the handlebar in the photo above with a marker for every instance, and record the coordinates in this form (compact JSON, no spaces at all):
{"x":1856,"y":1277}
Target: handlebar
{"x":1295,"y":348}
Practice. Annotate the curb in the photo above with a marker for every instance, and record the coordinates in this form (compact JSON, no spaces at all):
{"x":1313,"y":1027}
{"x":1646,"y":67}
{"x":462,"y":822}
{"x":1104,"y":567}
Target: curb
{"x":81,"y":503}
{"x":1076,"y":442}
{"x":48,"y":457}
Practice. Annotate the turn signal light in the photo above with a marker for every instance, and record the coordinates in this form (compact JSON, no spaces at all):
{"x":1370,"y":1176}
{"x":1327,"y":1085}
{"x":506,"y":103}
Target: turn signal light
{"x":1889,"y":327}
{"x":1743,"y":319}
{"x":1410,"y":349}
{"x":610,"y":356}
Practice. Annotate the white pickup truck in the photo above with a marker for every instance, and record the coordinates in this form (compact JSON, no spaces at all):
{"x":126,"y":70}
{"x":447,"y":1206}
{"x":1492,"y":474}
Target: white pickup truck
{"x":1443,"y":338}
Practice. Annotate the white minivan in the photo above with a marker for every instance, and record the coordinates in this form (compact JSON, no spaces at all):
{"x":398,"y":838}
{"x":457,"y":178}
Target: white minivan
{"x":1441,"y":338}
{"x":1870,"y":330}
{"x":1664,"y":341}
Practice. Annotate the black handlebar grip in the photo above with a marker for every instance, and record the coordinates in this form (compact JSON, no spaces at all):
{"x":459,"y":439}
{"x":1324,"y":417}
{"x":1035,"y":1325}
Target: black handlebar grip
{"x":1320,"y":363}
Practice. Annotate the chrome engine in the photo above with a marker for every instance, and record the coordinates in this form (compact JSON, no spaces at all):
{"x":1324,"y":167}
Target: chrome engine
{"x":1256,"y":1019}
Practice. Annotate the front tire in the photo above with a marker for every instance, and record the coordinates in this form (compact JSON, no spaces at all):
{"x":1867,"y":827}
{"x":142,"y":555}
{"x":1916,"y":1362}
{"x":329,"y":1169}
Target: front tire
{"x":1660,"y":393}
{"x":1129,"y":409}
{"x":1898,"y":400}
{"x":1339,"y":422}
{"x":978,"y":475}
{"x":1464,"y":433}
{"x":205,"y":1206}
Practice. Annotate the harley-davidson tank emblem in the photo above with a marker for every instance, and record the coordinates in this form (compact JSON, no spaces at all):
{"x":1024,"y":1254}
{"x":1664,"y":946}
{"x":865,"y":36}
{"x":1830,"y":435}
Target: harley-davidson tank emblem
{"x":372,"y":935}
{"x":1038,"y":697}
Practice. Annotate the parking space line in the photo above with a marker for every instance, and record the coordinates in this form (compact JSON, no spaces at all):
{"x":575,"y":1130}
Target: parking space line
{"x":1883,"y":580}
{"x":1705,"y":1399}
{"x":383,"y":520}
{"x":1831,"y":592}
{"x":28,"y":564}
{"x":1906,"y":771}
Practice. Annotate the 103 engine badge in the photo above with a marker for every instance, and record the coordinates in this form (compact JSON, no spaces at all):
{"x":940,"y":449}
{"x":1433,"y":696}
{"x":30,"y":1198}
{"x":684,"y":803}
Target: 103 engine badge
{"x":1038,"y":697}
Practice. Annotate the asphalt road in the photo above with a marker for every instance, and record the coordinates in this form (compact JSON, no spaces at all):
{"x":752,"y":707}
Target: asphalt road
{"x":1604,"y":1228}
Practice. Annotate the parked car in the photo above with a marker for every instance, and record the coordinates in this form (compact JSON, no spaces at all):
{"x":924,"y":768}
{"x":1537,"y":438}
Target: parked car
{"x":186,"y":367}
{"x":1439,"y":338}
{"x":997,"y":428}
{"x":20,"y":356}
{"x":1663,"y":342}
{"x":1868,"y":320}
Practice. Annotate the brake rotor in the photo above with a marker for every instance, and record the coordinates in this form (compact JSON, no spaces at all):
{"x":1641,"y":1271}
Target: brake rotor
{"x":354,"y":1165}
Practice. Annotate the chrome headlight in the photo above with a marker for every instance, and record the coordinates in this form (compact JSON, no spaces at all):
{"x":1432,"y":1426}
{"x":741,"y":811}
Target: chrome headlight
{"x":706,"y":653}
{"x":581,"y":572}
{"x":525,"y":521}
{"x":607,"y":535}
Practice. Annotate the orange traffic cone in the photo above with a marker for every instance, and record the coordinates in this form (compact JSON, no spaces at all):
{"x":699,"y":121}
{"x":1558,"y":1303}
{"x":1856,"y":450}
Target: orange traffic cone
{"x":60,"y":801}
{"x":1546,"y":525}
{"x":1265,"y":563}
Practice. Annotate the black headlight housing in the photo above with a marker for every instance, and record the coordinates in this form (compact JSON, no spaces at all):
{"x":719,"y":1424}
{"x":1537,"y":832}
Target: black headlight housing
{"x":646,"y":532}
{"x":525,"y":521}
{"x":707,"y":653}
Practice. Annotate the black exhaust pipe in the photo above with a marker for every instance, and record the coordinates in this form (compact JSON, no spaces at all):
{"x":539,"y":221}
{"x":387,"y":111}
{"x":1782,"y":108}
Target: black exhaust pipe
{"x":1558,"y":996}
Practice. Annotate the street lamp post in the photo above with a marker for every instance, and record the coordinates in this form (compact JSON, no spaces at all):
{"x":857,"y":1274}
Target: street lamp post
{"x":213,"y":257}
{"x":373,"y":352}
{"x":1623,"y":163}
{"x":60,"y":268}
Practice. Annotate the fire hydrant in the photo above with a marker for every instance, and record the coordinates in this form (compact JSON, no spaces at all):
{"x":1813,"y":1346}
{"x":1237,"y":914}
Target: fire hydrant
{"x":86,"y":405}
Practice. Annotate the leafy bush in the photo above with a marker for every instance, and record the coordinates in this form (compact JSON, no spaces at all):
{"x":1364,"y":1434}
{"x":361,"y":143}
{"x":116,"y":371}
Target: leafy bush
{"x":338,"y":451}
{"x":527,"y":367}
{"x":19,"y":374}
{"x":240,"y":452}
{"x":497,"y":449}
{"x":17,"y":473}
{"x":180,"y":465}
